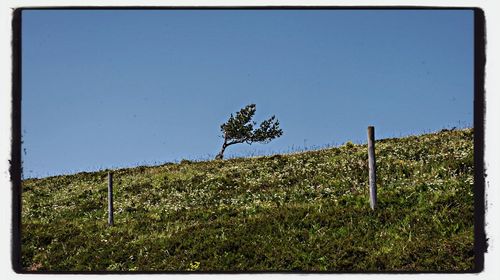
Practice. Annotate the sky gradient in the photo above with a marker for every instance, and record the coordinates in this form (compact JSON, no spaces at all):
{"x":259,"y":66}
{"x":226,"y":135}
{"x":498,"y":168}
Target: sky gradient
{"x":110,"y":89}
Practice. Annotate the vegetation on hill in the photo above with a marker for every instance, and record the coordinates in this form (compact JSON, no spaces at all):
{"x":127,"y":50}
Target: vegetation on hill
{"x":298,"y":212}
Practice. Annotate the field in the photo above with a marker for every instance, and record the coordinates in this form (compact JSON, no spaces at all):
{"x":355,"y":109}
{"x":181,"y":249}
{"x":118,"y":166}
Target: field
{"x":297,"y":212}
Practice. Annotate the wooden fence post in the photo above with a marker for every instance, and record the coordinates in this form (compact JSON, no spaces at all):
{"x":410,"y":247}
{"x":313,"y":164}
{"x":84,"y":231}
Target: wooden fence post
{"x":372,"y":167}
{"x":110,"y":198}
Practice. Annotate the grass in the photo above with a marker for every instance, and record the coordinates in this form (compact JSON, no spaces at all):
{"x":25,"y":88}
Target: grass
{"x":299,"y":212}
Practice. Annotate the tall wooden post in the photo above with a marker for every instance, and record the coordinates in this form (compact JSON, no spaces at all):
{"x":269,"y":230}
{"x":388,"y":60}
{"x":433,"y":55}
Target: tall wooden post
{"x":372,"y":167}
{"x":110,"y":199}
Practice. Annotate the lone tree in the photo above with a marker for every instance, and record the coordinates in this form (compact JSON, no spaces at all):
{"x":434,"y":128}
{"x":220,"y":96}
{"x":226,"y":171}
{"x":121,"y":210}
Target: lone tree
{"x":239,"y":129}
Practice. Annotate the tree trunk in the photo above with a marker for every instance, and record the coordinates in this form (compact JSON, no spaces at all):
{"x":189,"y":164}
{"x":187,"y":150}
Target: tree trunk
{"x":220,"y":155}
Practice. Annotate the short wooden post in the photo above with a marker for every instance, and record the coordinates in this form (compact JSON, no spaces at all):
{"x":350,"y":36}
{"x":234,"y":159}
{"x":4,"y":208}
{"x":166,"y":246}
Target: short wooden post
{"x":110,"y":199}
{"x":372,"y":167}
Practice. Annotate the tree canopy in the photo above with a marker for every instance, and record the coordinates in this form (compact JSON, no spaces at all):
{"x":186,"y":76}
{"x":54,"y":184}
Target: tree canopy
{"x":240,"y":129}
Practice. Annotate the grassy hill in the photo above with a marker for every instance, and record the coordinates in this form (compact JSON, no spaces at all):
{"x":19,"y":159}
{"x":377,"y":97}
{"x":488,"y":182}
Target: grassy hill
{"x":306,"y":211}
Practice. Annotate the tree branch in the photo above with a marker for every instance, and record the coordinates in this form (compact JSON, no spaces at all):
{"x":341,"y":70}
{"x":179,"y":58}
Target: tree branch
{"x":235,"y":142}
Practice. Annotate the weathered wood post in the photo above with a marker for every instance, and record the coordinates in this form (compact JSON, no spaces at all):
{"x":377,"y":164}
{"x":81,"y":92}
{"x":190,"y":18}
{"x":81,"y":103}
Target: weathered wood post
{"x":372,"y":168}
{"x":110,"y":198}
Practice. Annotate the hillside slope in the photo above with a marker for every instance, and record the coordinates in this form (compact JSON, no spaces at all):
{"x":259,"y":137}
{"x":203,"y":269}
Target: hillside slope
{"x":306,"y":211}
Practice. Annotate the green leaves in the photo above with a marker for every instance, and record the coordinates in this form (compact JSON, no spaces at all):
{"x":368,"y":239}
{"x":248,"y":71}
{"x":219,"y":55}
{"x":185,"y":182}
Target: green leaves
{"x":240,"y":129}
{"x":268,"y":130}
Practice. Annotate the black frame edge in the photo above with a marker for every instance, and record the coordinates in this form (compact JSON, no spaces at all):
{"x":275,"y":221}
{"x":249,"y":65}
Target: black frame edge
{"x":245,"y":7}
{"x":480,"y":244}
{"x":16,"y":142}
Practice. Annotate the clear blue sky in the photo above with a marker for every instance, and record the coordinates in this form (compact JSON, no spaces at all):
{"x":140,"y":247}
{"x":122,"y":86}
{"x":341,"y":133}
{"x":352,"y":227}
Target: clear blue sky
{"x":109,"y":89}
